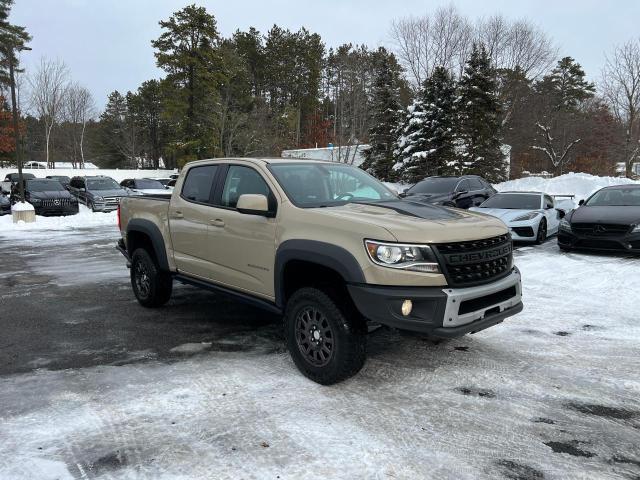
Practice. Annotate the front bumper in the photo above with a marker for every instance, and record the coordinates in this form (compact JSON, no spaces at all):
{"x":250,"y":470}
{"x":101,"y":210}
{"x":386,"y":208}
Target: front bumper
{"x":629,"y":242}
{"x":441,"y":311}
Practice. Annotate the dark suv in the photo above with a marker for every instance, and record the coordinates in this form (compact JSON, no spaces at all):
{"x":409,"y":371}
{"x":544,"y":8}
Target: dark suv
{"x":99,"y":193}
{"x":462,"y":192}
{"x":48,"y":197}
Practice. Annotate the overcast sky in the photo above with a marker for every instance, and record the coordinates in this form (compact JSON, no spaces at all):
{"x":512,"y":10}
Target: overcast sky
{"x":106,"y":43}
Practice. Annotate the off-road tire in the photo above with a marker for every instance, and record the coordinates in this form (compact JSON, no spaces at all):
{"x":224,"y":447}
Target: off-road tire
{"x":347,"y":333}
{"x":542,"y":232}
{"x":151,"y":286}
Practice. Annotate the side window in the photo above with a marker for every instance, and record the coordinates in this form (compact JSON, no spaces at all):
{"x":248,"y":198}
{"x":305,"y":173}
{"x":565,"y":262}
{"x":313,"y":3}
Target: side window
{"x":241,"y":180}
{"x":463,"y":186}
{"x":475,"y":184}
{"x":548,"y":202}
{"x":198,"y":184}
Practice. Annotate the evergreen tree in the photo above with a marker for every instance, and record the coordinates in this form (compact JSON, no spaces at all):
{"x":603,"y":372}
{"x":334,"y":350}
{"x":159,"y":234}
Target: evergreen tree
{"x":12,"y":39}
{"x":385,"y":113}
{"x":480,"y":118}
{"x":426,"y":144}
{"x":188,"y":51}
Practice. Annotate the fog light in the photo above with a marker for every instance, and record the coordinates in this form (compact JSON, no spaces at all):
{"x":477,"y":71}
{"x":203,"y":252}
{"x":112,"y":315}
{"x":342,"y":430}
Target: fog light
{"x":407,"y":305}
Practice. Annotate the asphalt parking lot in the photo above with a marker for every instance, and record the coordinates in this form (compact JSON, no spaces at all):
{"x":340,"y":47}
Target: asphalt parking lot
{"x":94,"y":386}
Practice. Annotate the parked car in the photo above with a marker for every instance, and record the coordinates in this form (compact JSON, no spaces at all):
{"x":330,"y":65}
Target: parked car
{"x":99,"y":193}
{"x":327,"y":246}
{"x":530,"y":216}
{"x":608,"y":220}
{"x":462,"y":192}
{"x":145,"y":186}
{"x":5,"y":204}
{"x":63,"y":179}
{"x":48,"y":197}
{"x":11,"y":179}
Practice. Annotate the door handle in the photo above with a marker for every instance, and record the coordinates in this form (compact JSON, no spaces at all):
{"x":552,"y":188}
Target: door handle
{"x":177,"y":214}
{"x":217,"y":222}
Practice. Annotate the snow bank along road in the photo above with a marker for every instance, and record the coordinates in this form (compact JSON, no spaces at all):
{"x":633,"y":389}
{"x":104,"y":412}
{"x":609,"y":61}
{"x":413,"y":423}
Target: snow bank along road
{"x":94,"y":386}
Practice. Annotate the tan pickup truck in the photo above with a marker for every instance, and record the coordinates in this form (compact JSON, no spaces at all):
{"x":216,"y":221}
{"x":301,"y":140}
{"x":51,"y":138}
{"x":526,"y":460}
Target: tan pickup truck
{"x":327,"y":246}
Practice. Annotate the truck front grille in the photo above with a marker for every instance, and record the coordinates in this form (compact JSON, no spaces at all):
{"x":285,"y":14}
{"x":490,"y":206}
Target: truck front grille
{"x":475,"y":262}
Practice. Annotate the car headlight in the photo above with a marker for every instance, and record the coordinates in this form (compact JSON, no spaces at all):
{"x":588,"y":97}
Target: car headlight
{"x":565,"y":225}
{"x":35,"y":201}
{"x":636,"y":229}
{"x":526,"y":216}
{"x":98,"y":199}
{"x":416,"y":258}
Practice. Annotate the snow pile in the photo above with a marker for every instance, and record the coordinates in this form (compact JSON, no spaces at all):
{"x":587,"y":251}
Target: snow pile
{"x":86,"y":218}
{"x":22,"y":207}
{"x":117,"y":175}
{"x":579,"y":184}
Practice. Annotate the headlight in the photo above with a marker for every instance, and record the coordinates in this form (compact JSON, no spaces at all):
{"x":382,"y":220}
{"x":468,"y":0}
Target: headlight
{"x":98,"y":199}
{"x":35,"y":201}
{"x":565,"y":225}
{"x":526,"y":216}
{"x":636,"y":229}
{"x":417,"y":258}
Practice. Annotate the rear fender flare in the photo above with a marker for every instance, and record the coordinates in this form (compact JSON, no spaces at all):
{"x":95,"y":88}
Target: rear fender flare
{"x":152,"y":231}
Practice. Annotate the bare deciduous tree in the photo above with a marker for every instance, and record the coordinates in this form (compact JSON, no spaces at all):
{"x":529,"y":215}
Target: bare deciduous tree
{"x":78,"y":109}
{"x":621,"y":88}
{"x":48,"y":86}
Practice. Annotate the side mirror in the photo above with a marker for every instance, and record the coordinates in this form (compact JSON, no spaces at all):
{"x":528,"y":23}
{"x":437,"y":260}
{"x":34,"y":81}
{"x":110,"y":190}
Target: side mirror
{"x":561,"y":213}
{"x":254,"y":204}
{"x":461,"y":192}
{"x":580,"y":203}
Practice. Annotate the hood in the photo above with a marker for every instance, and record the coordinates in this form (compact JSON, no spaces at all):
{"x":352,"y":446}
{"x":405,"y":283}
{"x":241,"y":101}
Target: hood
{"x":429,"y":197}
{"x":612,"y":215}
{"x":119,"y":192}
{"x":505,"y":214}
{"x":414,"y":222}
{"x":50,"y":194}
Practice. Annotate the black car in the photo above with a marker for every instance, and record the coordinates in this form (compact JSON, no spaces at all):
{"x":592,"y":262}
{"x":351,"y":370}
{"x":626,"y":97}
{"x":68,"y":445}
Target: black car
{"x":5,"y":204}
{"x":608,"y":220}
{"x":48,"y":197}
{"x":462,"y":192}
{"x":63,"y":179}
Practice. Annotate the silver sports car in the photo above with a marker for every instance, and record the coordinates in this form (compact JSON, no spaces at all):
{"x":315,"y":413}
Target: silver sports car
{"x":530,"y":216}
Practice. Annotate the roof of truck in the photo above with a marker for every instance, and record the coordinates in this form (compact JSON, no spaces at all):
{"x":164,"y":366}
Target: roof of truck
{"x":269,"y":160}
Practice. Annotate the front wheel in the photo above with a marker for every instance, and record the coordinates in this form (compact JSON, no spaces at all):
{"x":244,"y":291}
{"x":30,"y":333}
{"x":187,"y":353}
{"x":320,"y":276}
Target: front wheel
{"x":327,"y":342}
{"x":542,"y":232}
{"x":151,"y":286}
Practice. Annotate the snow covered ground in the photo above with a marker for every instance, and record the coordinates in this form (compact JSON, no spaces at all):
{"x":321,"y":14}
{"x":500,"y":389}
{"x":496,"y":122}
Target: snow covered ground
{"x":551,"y":393}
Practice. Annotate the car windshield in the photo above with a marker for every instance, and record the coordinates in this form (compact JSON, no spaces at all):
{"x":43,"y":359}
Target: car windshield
{"x":44,"y":185}
{"x":434,"y":185}
{"x":105,"y":183}
{"x":311,"y":185}
{"x":148,"y":184}
{"x":516,"y":201}
{"x":615,"y":197}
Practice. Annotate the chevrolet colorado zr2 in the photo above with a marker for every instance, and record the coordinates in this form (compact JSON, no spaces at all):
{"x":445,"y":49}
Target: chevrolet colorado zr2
{"x":326,"y":246}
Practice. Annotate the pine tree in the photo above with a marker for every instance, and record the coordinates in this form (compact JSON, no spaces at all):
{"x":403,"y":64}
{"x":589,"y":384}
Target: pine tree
{"x":480,"y":118}
{"x":426,"y":144}
{"x":379,"y":157}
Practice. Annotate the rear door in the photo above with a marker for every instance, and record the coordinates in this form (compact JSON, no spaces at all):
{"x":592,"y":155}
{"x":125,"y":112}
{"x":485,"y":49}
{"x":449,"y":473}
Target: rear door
{"x":190,"y":214}
{"x":243,"y":245}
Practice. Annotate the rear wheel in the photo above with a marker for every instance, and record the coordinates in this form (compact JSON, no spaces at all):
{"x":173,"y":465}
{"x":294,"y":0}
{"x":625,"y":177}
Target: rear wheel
{"x":151,"y":286}
{"x":327,"y":341}
{"x":542,"y":232}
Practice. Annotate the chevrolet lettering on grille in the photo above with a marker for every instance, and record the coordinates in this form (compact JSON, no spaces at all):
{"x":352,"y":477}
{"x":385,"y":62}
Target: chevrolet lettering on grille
{"x":472,"y":257}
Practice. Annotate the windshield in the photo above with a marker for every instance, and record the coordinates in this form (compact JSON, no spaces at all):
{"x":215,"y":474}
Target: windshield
{"x":105,"y":183}
{"x":434,"y":185}
{"x":615,"y":197}
{"x":43,"y":185}
{"x":516,"y":201}
{"x":325,"y":185}
{"x":148,"y":184}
